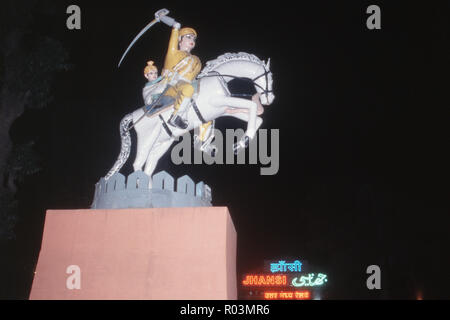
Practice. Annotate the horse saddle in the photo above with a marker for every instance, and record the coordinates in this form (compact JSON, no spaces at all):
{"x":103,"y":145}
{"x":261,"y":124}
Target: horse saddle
{"x":166,"y":102}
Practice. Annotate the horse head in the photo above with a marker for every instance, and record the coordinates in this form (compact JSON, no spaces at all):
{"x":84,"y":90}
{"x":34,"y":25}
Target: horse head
{"x":245,"y":66}
{"x":264,"y":83}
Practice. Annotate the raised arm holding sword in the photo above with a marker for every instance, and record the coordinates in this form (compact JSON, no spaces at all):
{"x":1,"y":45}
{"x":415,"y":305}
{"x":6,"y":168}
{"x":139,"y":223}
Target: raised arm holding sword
{"x":180,"y":66}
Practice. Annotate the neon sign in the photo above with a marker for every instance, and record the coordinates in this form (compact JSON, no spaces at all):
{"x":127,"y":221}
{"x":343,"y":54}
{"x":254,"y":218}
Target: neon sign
{"x":282,"y":266}
{"x":307,"y":281}
{"x":290,"y":295}
{"x":264,"y":280}
{"x":285,"y":281}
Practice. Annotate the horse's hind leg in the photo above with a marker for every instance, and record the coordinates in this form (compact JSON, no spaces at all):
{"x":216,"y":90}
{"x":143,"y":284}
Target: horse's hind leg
{"x":155,"y":154}
{"x":145,"y":142}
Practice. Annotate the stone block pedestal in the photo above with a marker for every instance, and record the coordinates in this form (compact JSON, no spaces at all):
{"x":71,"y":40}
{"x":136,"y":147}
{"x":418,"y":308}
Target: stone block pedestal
{"x":158,"y":253}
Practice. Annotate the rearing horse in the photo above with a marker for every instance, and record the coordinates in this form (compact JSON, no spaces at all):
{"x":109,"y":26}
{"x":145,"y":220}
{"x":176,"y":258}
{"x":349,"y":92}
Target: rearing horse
{"x":155,"y":136}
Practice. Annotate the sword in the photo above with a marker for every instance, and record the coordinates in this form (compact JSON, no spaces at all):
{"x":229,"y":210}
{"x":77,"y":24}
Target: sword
{"x":158,"y":15}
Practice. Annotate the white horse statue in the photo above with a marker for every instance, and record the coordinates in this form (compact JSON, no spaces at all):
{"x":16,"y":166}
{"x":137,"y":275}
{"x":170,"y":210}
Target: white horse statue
{"x":155,"y":135}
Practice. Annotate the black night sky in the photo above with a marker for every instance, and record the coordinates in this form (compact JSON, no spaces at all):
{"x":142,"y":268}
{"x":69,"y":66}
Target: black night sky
{"x":363,"y":175}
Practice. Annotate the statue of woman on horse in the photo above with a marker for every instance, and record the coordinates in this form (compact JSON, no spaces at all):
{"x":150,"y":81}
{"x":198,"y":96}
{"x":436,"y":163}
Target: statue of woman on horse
{"x":197,"y":98}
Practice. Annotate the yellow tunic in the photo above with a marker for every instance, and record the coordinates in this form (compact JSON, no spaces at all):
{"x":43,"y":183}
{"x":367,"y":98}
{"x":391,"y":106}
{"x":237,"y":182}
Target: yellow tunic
{"x":184,"y":67}
{"x":185,"y":64}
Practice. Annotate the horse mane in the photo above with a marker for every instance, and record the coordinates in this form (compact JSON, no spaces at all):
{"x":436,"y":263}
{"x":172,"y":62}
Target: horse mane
{"x":227,"y":57}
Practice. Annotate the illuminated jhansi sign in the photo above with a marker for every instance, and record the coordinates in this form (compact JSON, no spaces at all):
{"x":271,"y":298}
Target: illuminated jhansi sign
{"x":291,"y":278}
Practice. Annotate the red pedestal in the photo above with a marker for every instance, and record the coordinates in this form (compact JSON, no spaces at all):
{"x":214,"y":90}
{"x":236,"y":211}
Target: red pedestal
{"x":161,"y":253}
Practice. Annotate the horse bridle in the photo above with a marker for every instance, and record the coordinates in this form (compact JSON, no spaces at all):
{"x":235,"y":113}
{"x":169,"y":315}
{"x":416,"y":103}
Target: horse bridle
{"x":265,"y":74}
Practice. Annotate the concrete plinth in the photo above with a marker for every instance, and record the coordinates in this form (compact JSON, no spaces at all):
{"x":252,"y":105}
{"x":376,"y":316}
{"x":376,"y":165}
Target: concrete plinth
{"x":159,"y":253}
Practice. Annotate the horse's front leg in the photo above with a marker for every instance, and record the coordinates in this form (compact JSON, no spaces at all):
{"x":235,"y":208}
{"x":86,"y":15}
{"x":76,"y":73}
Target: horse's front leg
{"x":250,"y":106}
{"x":244,"y":117}
{"x":243,"y":143}
{"x":245,"y":114}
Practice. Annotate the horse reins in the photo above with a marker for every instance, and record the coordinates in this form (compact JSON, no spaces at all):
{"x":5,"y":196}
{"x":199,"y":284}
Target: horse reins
{"x":265,"y":74}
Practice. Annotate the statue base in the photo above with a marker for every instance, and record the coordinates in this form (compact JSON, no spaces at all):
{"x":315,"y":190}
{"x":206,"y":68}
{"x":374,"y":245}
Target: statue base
{"x":157,"y":253}
{"x":136,"y":191}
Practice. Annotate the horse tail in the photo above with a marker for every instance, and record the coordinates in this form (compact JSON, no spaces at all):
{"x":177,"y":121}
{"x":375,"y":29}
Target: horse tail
{"x":125,"y":146}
